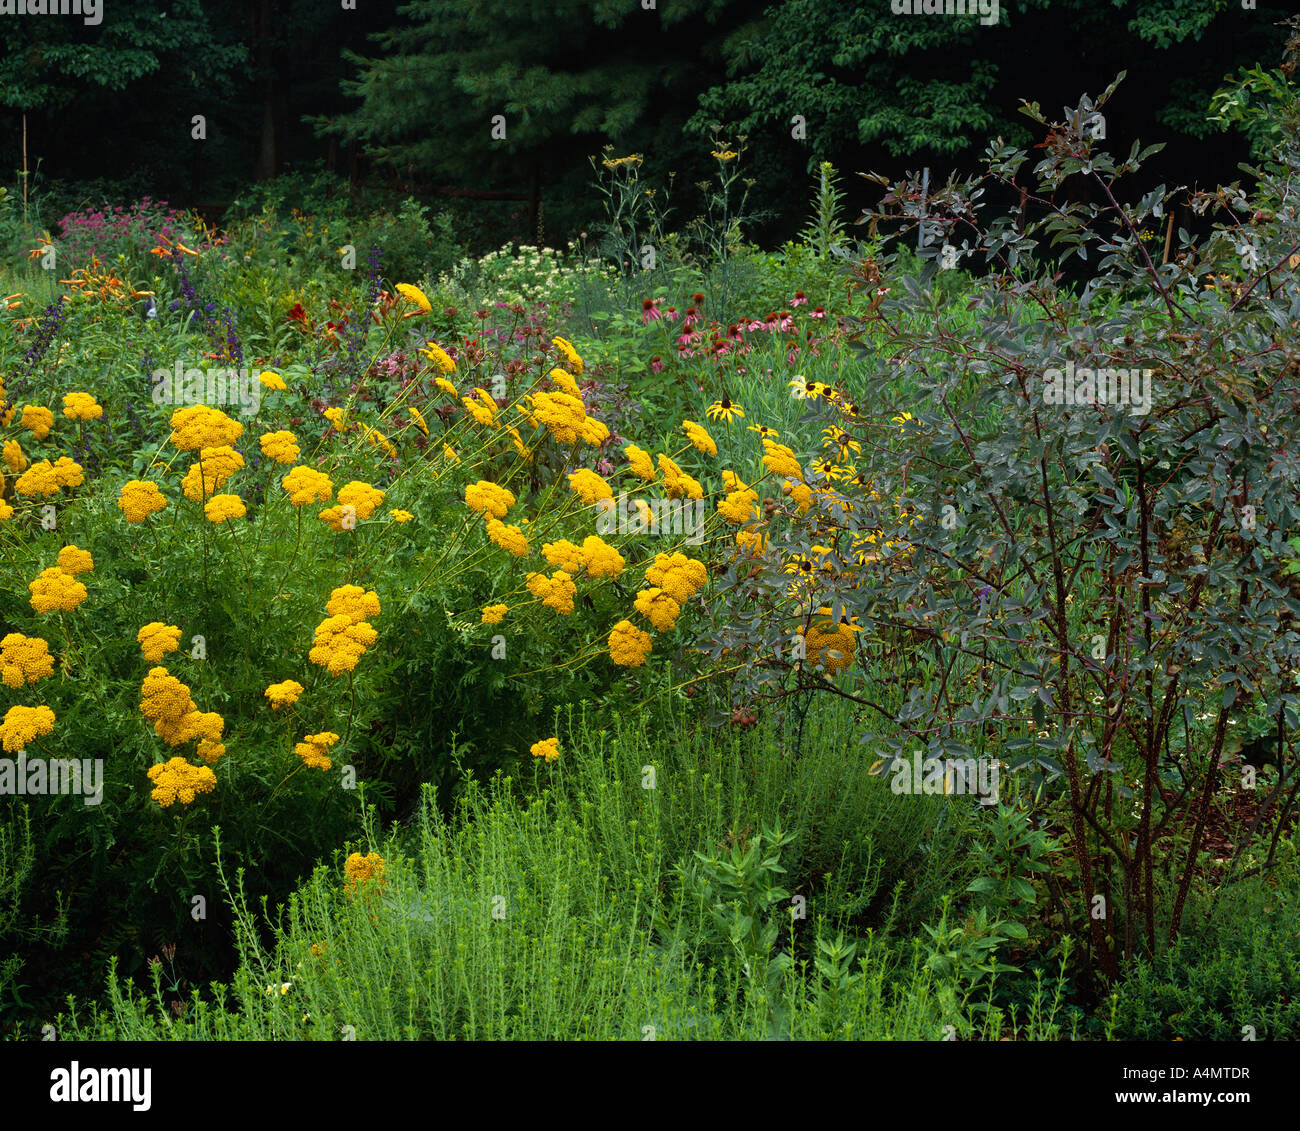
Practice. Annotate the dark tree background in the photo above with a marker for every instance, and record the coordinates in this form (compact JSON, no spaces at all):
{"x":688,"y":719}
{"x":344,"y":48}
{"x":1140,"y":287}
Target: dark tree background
{"x":403,"y":95}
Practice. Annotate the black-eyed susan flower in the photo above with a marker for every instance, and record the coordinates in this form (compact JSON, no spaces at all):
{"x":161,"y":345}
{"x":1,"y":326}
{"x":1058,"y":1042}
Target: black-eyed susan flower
{"x":725,"y":411}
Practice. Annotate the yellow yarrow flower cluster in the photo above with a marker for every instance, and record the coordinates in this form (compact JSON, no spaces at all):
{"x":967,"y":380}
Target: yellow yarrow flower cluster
{"x":509,"y":538}
{"x":738,"y":507}
{"x":677,"y":483}
{"x":196,"y":427}
{"x":280,"y":446}
{"x":658,"y":608}
{"x":629,"y":645}
{"x":13,"y":456}
{"x":677,"y":575}
{"x":307,"y":485}
{"x":565,"y":349}
{"x":23,"y":724}
{"x":37,"y":420}
{"x":563,"y":380}
{"x":337,"y":417}
{"x":166,"y":702}
{"x":781,"y":461}
{"x":699,"y":438}
{"x":340,"y":642}
{"x":271,"y":380}
{"x":565,"y":417}
{"x":548,"y":749}
{"x":589,"y":486}
{"x":830,"y":646}
{"x":222,"y":508}
{"x":24,"y":660}
{"x":557,"y":591}
{"x":442,"y":359}
{"x":210,"y":472}
{"x":418,"y":419}
{"x":157,"y":639}
{"x":494,"y":614}
{"x":314,"y":749}
{"x":139,"y":499}
{"x":489,"y":499}
{"x":283,"y":694}
{"x":357,"y":502}
{"x":176,"y":780}
{"x":353,"y":602}
{"x":45,"y":478}
{"x":414,"y":295}
{"x":56,"y":589}
{"x":639,"y":461}
{"x":378,"y":440}
{"x":401,"y":516}
{"x":75,"y":561}
{"x":595,"y":556}
{"x":363,"y":870}
{"x":481,"y":407}
{"x":81,"y":406}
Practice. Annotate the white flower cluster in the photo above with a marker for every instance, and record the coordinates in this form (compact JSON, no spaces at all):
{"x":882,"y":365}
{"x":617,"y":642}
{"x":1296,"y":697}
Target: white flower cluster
{"x":526,"y":275}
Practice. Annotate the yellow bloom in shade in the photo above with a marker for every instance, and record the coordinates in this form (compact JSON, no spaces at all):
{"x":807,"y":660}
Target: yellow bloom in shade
{"x":74,"y":561}
{"x":222,"y":508}
{"x":548,"y":748}
{"x":211,"y":472}
{"x":563,"y":380}
{"x":210,"y":751}
{"x":442,"y":359}
{"x":81,"y":406}
{"x":780,"y":460}
{"x":831,"y":646}
{"x":307,"y":485}
{"x":363,"y":870}
{"x":340,"y":642}
{"x":401,"y":516}
{"x":6,"y":511}
{"x":699,"y":438}
{"x":557,"y":592}
{"x":14,"y":456}
{"x":139,"y":499}
{"x":494,"y":614}
{"x":37,"y":420}
{"x":677,"y":483}
{"x":414,"y":295}
{"x":280,"y":446}
{"x":283,"y":694}
{"x":337,"y":417}
{"x":658,"y":608}
{"x":353,"y":602}
{"x":489,"y":498}
{"x":418,"y":420}
{"x":272,"y":381}
{"x":677,"y":575}
{"x":629,"y":645}
{"x":357,"y":502}
{"x":509,"y":538}
{"x":22,"y":724}
{"x":589,"y":486}
{"x":801,"y":494}
{"x":570,"y":355}
{"x":751,"y":542}
{"x":314,"y":749}
{"x":450,"y":453}
{"x":196,"y":427}
{"x":24,"y":660}
{"x":157,"y":639}
{"x":600,"y":558}
{"x":639,"y":461}
{"x":176,"y":780}
{"x":54,"y":589}
{"x":564,"y":555}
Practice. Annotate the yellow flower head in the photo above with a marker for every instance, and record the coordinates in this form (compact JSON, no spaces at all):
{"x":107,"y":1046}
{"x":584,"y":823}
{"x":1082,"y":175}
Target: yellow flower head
{"x":176,"y":780}
{"x":414,"y":295}
{"x":37,"y":420}
{"x":494,"y":614}
{"x":75,"y":561}
{"x":629,"y":645}
{"x":548,"y":749}
{"x":701,"y":440}
{"x":81,"y":406}
{"x":307,"y":485}
{"x":589,"y":486}
{"x":22,"y":724}
{"x":353,"y":602}
{"x":280,"y":446}
{"x":222,"y":508}
{"x":55,"y":589}
{"x":272,"y":380}
{"x":283,"y":694}
{"x":565,"y":349}
{"x":157,"y":639}
{"x":489,"y":498}
{"x":139,"y":499}
{"x":24,"y":660}
{"x":314,"y":749}
{"x":196,"y":427}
